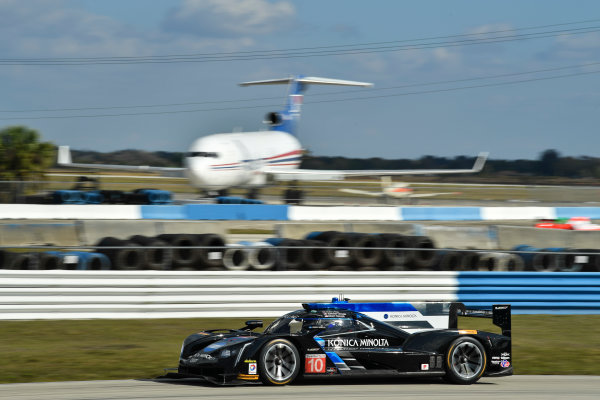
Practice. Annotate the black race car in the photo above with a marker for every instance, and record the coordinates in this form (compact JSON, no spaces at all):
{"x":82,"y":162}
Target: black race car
{"x":354,"y":339}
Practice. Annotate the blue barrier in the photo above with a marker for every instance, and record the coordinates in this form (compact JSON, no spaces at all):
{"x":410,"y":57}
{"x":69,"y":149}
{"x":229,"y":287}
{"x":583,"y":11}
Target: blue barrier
{"x":247,"y":212}
{"x":440,"y":213}
{"x":532,"y":292}
{"x":570,"y":212}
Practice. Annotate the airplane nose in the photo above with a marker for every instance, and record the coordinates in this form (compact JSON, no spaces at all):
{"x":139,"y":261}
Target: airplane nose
{"x":196,"y":171}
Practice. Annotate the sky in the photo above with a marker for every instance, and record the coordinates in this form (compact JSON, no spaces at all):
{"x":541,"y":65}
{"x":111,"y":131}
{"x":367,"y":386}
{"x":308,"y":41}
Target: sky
{"x":451,"y":77}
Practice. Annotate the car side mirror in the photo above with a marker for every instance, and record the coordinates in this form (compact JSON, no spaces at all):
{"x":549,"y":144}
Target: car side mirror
{"x":253,"y":324}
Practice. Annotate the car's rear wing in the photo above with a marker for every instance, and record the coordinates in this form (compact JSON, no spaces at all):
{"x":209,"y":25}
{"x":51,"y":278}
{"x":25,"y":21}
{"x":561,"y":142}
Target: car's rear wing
{"x":500,"y":315}
{"x":421,"y":315}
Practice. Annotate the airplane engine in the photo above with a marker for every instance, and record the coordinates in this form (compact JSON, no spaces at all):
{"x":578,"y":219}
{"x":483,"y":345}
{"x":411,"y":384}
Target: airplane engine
{"x":273,"y":119}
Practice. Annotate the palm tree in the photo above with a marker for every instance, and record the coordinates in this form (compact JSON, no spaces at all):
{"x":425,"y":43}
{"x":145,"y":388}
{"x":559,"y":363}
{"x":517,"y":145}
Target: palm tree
{"x":22,"y":157}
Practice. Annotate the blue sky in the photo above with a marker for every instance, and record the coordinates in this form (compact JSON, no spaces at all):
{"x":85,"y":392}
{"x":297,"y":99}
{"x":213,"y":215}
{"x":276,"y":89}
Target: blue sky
{"x":513,"y":98}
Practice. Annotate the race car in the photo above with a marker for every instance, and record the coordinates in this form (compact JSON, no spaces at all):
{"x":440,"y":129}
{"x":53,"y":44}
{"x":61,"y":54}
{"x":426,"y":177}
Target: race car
{"x":353,"y":339}
{"x":572,"y":224}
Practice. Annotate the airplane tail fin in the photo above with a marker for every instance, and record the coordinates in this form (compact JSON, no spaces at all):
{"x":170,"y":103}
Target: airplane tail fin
{"x":287,"y":119}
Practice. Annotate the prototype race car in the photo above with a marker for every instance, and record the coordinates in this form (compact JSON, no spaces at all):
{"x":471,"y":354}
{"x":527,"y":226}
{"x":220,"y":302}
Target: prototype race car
{"x":353,"y":339}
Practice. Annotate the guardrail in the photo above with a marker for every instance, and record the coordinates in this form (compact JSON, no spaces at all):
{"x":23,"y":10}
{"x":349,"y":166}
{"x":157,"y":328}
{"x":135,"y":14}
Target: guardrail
{"x":42,"y":295}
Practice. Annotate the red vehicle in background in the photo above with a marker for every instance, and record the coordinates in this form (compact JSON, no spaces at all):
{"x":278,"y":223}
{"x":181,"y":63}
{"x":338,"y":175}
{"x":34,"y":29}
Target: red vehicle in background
{"x":573,"y":224}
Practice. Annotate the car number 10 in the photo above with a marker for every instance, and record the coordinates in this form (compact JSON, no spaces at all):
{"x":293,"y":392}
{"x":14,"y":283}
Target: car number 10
{"x":315,"y":364}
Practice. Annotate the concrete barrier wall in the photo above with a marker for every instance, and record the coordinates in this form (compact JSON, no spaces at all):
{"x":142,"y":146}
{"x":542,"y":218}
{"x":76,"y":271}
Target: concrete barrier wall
{"x":39,"y":295}
{"x":257,"y":212}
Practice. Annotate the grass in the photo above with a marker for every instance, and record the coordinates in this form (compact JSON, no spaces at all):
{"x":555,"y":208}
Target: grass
{"x":43,"y":351}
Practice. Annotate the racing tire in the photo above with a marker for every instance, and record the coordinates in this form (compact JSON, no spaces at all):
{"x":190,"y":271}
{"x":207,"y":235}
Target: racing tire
{"x":465,"y":361}
{"x":279,"y":362}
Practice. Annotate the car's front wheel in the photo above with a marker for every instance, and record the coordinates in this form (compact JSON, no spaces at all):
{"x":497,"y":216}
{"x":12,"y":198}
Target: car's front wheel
{"x":465,"y":361}
{"x":279,"y":362}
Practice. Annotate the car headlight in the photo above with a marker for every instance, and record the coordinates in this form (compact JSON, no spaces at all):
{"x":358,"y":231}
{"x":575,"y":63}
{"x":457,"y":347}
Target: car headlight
{"x":226,"y":353}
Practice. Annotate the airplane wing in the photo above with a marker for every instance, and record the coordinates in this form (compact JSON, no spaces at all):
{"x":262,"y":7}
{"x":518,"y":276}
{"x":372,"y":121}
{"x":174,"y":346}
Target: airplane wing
{"x":313,"y":174}
{"x":64,"y":160}
{"x":358,"y":191}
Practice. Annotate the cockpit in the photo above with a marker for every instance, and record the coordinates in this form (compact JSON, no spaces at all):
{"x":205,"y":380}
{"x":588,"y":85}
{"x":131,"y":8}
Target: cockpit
{"x":205,"y":154}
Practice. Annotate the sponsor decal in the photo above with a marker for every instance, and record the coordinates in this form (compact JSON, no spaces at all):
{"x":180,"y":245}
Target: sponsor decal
{"x":249,"y":361}
{"x":334,"y":314}
{"x":505,"y":356}
{"x":313,"y":349}
{"x":505,"y":363}
{"x":357,"y":342}
{"x":252,"y":368}
{"x":315,"y":364}
{"x":424,"y":367}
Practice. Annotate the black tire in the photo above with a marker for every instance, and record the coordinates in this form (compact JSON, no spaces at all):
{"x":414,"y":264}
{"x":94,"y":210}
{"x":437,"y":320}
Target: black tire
{"x":470,"y":261}
{"x":155,"y":259}
{"x":292,"y":257}
{"x":396,"y":255}
{"x":368,"y":249}
{"x":213,"y":255}
{"x":24,"y":261}
{"x":451,"y":261}
{"x":316,"y":257}
{"x":50,"y":261}
{"x":425,"y":257}
{"x":339,"y":252}
{"x":130,"y":258}
{"x":188,"y":256}
{"x":465,"y":361}
{"x":279,"y":362}
{"x":592,"y":264}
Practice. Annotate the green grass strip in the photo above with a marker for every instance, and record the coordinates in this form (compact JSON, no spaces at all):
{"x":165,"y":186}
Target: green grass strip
{"x":43,"y":351}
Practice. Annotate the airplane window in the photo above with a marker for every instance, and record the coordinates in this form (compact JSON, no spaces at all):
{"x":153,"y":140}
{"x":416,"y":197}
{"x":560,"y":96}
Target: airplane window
{"x":202,"y":154}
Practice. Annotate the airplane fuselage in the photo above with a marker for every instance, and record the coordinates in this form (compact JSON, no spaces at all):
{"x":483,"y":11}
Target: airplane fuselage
{"x":225,"y":160}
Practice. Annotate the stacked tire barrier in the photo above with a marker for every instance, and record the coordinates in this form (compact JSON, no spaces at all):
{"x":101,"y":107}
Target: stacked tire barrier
{"x":50,"y":260}
{"x":327,"y":250}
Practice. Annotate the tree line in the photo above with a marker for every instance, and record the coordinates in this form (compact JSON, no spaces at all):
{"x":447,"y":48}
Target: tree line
{"x":23,"y":156}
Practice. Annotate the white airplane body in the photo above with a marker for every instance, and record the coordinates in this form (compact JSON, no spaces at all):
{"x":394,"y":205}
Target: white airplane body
{"x":253,"y":159}
{"x":225,"y":160}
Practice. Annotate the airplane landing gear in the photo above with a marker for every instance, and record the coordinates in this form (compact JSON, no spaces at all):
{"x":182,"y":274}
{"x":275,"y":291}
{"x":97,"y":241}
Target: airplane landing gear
{"x":293,"y":195}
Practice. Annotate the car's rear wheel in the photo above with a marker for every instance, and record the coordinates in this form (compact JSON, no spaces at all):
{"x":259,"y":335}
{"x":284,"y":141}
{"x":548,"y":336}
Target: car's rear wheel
{"x":465,"y":361}
{"x":279,"y":362}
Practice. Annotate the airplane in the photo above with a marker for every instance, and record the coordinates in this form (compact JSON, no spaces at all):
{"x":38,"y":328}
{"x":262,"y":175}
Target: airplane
{"x":398,"y":190}
{"x":252,"y":160}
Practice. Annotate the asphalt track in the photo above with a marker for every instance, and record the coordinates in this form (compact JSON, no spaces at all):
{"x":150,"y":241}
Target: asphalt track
{"x":515,"y":387}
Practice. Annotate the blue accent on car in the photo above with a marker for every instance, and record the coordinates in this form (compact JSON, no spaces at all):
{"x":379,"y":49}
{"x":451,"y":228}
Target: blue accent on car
{"x":364,"y":307}
{"x":334,"y":357}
